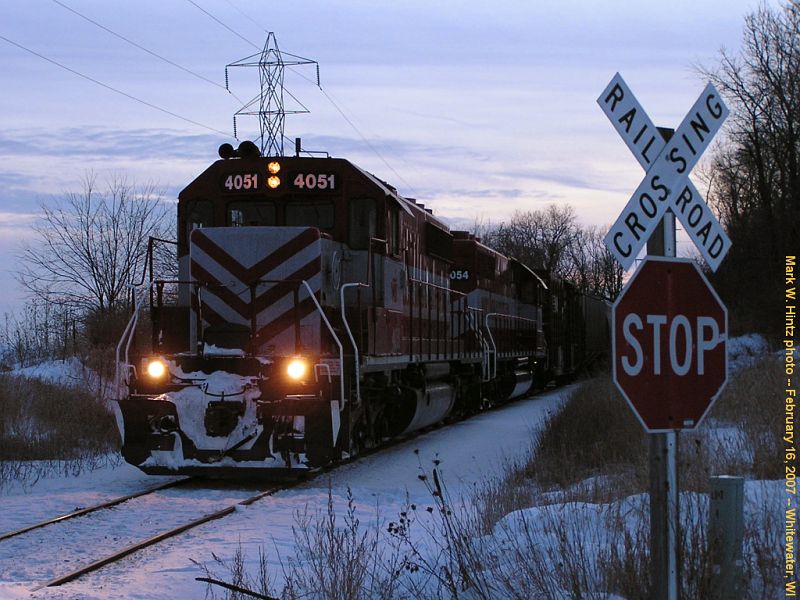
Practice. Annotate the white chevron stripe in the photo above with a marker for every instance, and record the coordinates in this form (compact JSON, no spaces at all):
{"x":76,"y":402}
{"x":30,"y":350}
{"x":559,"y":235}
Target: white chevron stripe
{"x":286,"y":302}
{"x":282,"y":271}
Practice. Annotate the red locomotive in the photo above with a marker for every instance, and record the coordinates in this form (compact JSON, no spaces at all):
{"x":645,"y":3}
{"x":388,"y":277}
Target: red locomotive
{"x":317,"y":313}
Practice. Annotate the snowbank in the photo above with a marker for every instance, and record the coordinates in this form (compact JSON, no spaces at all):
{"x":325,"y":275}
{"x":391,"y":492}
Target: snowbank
{"x":68,"y":372}
{"x":745,"y":350}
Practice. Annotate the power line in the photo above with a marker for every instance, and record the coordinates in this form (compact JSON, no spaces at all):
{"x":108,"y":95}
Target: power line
{"x":201,"y":9}
{"x":143,"y":49}
{"x":245,"y":15}
{"x":365,"y":140}
{"x":356,"y":129}
{"x":111,"y":88}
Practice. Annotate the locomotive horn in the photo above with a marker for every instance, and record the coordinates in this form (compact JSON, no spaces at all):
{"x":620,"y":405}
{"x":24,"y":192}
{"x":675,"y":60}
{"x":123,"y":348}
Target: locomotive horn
{"x":248,"y":149}
{"x":226,"y":151}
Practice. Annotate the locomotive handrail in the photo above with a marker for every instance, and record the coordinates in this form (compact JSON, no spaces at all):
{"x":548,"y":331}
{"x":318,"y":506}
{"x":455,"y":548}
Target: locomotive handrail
{"x":491,"y":337}
{"x":345,"y":322}
{"x":438,"y":287}
{"x":335,"y":339}
{"x":485,"y":366}
{"x":148,"y":263}
{"x":128,"y":333}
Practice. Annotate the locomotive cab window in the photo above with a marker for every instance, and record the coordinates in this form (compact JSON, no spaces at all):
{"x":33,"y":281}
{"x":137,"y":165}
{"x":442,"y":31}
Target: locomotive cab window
{"x":393,"y":230}
{"x":242,"y":214}
{"x":318,"y":213}
{"x":198,"y":214}
{"x":361,"y":223}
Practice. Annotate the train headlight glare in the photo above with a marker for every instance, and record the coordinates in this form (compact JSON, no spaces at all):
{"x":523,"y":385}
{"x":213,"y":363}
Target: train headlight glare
{"x":274,"y":182}
{"x":156,"y":368}
{"x":274,"y":167}
{"x":296,"y":368}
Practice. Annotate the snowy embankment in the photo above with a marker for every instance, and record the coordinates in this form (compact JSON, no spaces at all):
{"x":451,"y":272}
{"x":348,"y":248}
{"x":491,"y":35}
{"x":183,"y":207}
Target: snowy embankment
{"x":69,"y":373}
{"x":383,"y":486}
{"x":469,"y":452}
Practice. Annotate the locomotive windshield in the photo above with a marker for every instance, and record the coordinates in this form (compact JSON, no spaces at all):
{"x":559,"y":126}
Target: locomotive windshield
{"x":198,"y":214}
{"x":242,"y":214}
{"x":314,"y":213}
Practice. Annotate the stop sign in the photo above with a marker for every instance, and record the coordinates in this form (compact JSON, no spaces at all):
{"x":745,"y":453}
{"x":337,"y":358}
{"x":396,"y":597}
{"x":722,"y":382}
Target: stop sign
{"x":669,"y":342}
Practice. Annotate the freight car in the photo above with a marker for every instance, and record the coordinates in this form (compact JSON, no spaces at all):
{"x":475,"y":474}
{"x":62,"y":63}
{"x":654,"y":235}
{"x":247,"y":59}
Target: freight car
{"x":316,"y":313}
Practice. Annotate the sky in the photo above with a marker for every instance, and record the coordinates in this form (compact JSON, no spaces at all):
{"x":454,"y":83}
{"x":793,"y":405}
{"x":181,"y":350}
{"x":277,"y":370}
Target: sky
{"x":476,"y":109}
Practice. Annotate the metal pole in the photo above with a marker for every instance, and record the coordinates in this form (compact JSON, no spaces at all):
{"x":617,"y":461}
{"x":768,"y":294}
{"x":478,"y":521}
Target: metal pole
{"x":664,"y":507}
{"x":726,"y":532}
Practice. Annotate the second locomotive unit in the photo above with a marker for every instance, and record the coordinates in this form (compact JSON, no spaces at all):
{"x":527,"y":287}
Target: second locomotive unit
{"x":317,"y":313}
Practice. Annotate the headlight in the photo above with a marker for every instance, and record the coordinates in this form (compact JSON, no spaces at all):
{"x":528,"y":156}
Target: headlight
{"x":274,"y":182}
{"x":273,"y":167}
{"x":156,"y":368}
{"x":296,"y":369}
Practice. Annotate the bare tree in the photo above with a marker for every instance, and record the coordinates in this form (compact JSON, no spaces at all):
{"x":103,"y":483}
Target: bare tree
{"x":551,"y":239}
{"x":538,"y":238}
{"x":755,"y":175}
{"x":89,"y":246}
{"x":592,"y":266}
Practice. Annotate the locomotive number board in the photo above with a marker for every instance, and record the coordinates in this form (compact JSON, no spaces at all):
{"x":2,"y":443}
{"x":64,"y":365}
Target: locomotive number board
{"x":313,"y":181}
{"x":242,"y":182}
{"x":254,"y":181}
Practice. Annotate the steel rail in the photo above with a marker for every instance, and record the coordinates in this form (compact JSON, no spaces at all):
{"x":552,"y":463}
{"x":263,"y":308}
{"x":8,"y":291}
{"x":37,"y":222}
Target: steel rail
{"x":94,"y":566}
{"x":91,"y":509}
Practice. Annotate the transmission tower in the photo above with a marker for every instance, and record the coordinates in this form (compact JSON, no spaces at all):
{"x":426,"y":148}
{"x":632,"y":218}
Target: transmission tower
{"x":271,"y":112}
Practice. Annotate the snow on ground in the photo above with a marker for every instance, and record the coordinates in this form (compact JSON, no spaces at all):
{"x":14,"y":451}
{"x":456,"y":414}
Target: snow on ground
{"x":587,"y":534}
{"x":745,"y":350}
{"x":68,"y":372}
{"x":21,"y":506}
{"x":469,"y":452}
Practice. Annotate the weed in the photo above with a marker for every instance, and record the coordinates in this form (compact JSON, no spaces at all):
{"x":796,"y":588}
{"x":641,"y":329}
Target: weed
{"x":47,"y":428}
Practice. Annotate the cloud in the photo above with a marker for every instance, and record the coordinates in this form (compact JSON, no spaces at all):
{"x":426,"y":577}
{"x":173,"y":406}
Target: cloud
{"x":102,"y":142}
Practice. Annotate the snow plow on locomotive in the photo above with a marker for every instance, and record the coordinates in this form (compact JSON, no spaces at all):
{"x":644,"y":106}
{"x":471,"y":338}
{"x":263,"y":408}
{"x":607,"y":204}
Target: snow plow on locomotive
{"x":317,"y":313}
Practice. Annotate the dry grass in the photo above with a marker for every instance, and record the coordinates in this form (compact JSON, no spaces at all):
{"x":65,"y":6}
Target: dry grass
{"x":595,"y":437}
{"x":51,"y":428}
{"x":588,"y":531}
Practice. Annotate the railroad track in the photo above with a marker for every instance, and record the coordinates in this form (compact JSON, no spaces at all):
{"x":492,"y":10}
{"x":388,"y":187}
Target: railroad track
{"x":114,"y":557}
{"x":81,"y":534}
{"x":167,"y":533}
{"x":90,"y":509}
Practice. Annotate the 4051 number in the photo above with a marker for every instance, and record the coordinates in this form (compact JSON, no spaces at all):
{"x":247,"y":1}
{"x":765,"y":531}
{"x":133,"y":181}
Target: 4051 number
{"x":314,"y":181}
{"x":241,"y":181}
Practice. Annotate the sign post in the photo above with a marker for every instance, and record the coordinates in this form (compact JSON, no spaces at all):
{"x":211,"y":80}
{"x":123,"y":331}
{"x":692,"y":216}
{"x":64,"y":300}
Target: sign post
{"x":663,"y":459}
{"x":669,"y":328}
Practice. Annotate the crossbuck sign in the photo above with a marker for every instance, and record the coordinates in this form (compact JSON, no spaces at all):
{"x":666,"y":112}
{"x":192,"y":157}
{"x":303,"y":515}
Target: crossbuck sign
{"x":667,"y":183}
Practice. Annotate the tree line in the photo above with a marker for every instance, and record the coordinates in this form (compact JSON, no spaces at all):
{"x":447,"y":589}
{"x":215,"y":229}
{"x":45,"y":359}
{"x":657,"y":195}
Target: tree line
{"x":552,"y":239}
{"x":754,"y":174}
